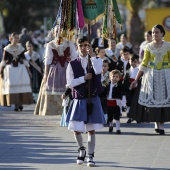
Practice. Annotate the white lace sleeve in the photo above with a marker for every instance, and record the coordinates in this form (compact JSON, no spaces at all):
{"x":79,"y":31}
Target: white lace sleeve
{"x":48,"y":55}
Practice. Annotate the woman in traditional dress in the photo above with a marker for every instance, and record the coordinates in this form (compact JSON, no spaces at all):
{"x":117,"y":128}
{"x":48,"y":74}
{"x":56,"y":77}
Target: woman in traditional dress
{"x":35,"y":67}
{"x":53,"y":85}
{"x":15,"y":78}
{"x":154,"y":94}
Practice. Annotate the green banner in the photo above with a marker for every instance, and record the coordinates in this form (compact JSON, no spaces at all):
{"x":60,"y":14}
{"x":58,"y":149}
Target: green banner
{"x":93,"y":10}
{"x":117,"y":13}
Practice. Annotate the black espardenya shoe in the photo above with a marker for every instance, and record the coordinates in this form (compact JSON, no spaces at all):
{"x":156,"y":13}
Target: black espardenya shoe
{"x":20,"y":107}
{"x":118,"y":132}
{"x":161,"y":132}
{"x":90,"y":161}
{"x":80,"y":159}
{"x":110,"y":128}
{"x":156,"y":130}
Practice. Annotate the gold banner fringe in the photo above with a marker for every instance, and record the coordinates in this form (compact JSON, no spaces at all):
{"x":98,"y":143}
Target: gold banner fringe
{"x":88,"y":21}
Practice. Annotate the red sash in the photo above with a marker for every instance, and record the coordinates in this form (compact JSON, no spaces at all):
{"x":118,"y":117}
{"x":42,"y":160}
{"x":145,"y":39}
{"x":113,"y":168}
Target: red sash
{"x":111,"y":103}
{"x":131,"y":80}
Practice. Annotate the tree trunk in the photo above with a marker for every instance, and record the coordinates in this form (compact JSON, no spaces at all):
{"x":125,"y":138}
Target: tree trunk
{"x":135,"y":31}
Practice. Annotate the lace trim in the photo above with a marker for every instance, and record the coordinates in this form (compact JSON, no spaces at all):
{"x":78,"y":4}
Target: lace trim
{"x":155,"y":89}
{"x":159,"y":53}
{"x":59,"y":48}
{"x":15,"y":54}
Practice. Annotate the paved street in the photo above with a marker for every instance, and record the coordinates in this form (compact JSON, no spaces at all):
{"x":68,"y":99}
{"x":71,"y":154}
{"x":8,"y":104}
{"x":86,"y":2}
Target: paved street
{"x":39,"y":143}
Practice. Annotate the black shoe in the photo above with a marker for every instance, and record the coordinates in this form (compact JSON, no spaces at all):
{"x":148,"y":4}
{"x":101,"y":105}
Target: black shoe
{"x":16,"y":109}
{"x":118,"y":132}
{"x":21,"y":108}
{"x":123,"y":109}
{"x":161,"y":132}
{"x":111,"y":129}
{"x":90,"y":162}
{"x":80,"y":160}
{"x":156,"y":130}
{"x":129,"y":120}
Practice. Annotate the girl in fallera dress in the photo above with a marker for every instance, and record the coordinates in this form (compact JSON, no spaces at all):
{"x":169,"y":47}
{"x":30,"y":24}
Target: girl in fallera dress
{"x":15,"y":76}
{"x":57,"y":57}
{"x":151,"y":102}
{"x":35,"y":67}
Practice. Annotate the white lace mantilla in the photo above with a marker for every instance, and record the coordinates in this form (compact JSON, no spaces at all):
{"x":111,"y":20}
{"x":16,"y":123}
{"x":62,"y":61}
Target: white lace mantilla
{"x":159,"y":52}
{"x":15,"y":54}
{"x":155,"y":88}
{"x":59,"y":48}
{"x":34,"y":56}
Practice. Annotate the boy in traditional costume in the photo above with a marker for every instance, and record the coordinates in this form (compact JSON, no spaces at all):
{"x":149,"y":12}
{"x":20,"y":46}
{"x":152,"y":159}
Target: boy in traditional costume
{"x":82,"y":119}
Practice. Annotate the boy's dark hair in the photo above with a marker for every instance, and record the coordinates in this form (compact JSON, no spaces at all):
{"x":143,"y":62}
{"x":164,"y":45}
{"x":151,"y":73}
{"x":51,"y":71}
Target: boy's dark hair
{"x":134,"y":57}
{"x":82,"y":39}
{"x":97,"y":49}
{"x":106,"y":61}
{"x":125,"y":49}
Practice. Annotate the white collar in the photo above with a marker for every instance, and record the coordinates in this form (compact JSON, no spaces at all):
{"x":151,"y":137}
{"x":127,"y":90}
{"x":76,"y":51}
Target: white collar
{"x":113,"y":84}
{"x":82,"y":58}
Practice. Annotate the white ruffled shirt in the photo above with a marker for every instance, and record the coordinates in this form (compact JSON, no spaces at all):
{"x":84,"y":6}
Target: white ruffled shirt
{"x":49,"y":53}
{"x":96,"y":64}
{"x":133,"y":72}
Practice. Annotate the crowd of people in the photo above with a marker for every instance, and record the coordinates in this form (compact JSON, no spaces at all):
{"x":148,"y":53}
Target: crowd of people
{"x":89,"y":84}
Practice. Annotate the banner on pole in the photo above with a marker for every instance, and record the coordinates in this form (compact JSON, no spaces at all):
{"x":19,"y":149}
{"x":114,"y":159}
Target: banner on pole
{"x":93,"y":10}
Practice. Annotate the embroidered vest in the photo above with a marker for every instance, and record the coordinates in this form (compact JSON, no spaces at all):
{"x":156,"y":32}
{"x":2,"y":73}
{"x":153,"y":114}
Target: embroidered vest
{"x":80,"y":91}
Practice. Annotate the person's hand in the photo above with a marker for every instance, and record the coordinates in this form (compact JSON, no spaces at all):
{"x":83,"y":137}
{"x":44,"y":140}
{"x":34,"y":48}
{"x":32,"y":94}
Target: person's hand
{"x":90,"y":51}
{"x":133,"y":84}
{"x":88,"y":76}
{"x":63,"y":96}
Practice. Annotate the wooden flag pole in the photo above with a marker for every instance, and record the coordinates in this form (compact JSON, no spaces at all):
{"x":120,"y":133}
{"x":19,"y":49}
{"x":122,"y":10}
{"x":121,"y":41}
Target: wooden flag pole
{"x":89,"y":64}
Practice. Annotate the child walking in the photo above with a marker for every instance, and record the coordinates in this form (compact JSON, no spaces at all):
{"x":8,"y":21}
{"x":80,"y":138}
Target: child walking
{"x":128,"y":79}
{"x":67,"y":98}
{"x":80,"y":119}
{"x":105,"y":81}
{"x":114,"y":100}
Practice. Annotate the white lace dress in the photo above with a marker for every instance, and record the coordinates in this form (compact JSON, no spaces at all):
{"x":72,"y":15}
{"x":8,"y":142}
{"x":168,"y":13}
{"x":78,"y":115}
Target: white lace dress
{"x":151,"y":102}
{"x":155,"y":88}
